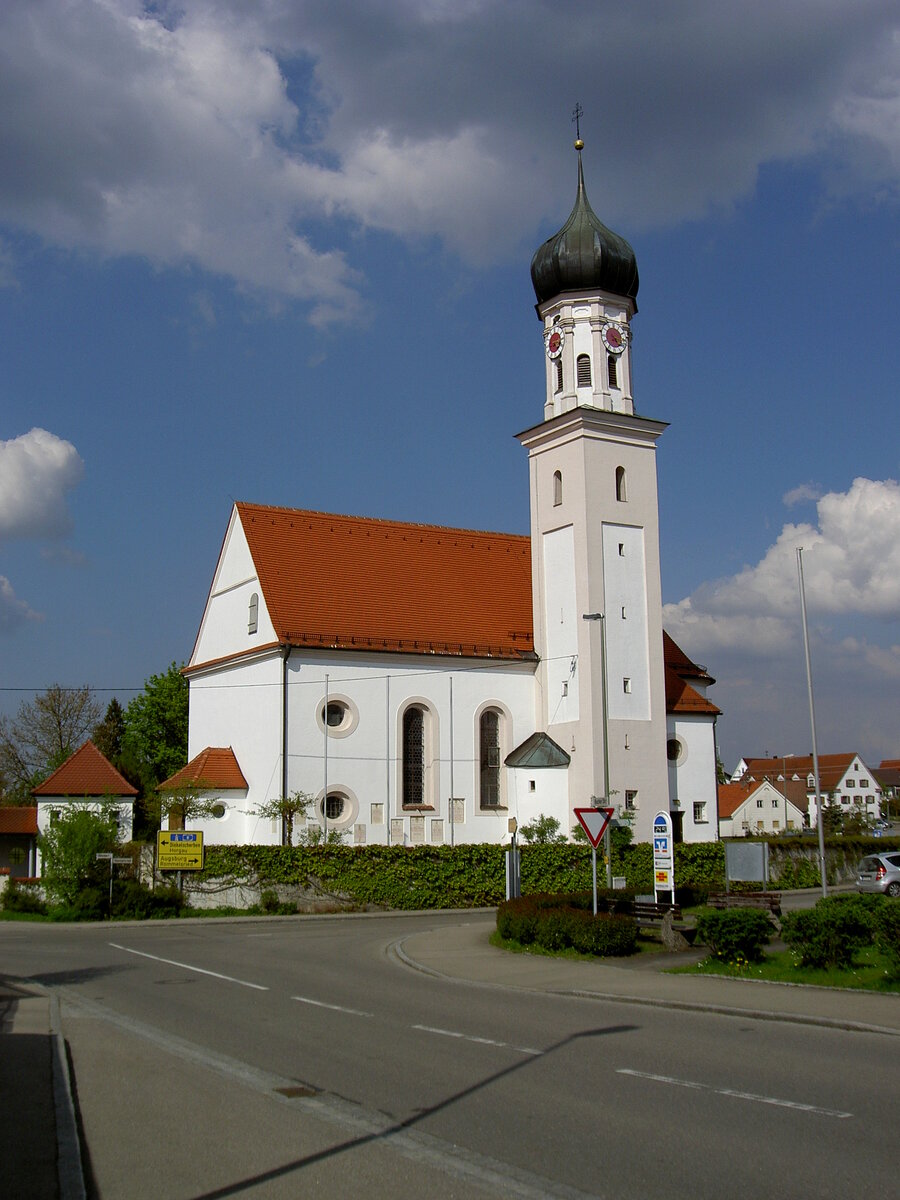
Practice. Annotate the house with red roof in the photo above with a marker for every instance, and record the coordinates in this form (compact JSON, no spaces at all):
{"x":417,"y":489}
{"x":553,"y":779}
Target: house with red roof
{"x":86,"y":778}
{"x":760,"y":807}
{"x":18,"y":841}
{"x":430,"y":685}
{"x":844,"y":779}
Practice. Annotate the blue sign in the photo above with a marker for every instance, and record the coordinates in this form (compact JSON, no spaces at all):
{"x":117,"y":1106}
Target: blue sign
{"x":182,"y":837}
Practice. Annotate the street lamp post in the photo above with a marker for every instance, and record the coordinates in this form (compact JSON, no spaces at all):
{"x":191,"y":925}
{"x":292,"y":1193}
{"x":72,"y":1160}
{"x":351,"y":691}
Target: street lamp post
{"x":601,"y":617}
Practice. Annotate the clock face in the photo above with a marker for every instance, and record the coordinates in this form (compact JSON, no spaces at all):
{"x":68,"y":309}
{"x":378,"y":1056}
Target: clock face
{"x":554,"y":340}
{"x":615,"y":337}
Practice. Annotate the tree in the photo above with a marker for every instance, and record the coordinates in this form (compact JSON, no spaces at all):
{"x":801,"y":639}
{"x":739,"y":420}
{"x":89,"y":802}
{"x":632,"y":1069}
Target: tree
{"x":156,"y":728}
{"x":109,"y":733}
{"x":42,"y":735}
{"x":70,"y":847}
{"x":180,"y":806}
{"x":285,"y":809}
{"x":542,"y":831}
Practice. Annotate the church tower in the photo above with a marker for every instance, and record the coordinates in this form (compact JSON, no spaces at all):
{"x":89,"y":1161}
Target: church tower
{"x":595,"y":527}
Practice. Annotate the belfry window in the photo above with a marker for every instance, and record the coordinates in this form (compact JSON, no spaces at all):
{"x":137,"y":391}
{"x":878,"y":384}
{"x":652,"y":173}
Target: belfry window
{"x":557,"y":487}
{"x":583,"y":370}
{"x":613,"y":368}
{"x":414,"y":756}
{"x":253,"y":614}
{"x":621,"y":492}
{"x":559,"y":375}
{"x":489,"y":738}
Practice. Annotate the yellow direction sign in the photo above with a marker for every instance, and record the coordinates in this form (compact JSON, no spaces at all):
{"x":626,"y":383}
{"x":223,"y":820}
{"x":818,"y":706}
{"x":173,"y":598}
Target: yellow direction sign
{"x":179,"y":850}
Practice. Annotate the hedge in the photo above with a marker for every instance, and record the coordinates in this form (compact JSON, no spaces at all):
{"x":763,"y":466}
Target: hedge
{"x":561,"y":922}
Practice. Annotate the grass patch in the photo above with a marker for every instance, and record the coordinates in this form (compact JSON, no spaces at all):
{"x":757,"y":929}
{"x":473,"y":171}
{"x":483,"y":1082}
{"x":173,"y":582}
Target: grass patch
{"x":871,"y":971}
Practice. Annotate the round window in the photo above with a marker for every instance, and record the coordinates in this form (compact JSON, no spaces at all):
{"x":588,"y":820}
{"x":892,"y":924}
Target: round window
{"x":218,"y":811}
{"x":673,"y":749}
{"x":334,"y":806}
{"x":335,"y":714}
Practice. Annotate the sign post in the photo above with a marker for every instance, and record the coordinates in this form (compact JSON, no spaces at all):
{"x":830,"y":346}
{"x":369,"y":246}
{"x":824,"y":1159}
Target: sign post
{"x":663,"y":857}
{"x":594,"y":822}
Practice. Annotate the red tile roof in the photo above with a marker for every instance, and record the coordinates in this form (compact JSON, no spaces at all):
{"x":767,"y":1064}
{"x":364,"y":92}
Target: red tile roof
{"x":682,"y":698}
{"x":679,"y":662}
{"x":18,"y":820}
{"x":732,"y":796}
{"x":832,"y":767}
{"x":214,"y":767}
{"x":86,"y":773}
{"x":366,"y":584}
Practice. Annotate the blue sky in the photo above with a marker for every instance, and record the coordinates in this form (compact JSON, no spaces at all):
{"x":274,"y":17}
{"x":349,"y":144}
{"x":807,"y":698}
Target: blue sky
{"x":279,"y":252}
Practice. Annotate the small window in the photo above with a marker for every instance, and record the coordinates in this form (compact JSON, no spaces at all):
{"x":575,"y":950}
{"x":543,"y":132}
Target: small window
{"x":334,"y":806}
{"x":621,"y":494}
{"x":623,"y":612}
{"x":217,"y":810}
{"x":851,"y":783}
{"x":759,"y":804}
{"x":864,"y":783}
{"x":699,"y":813}
{"x":775,"y":803}
{"x":253,"y":615}
{"x":626,"y":685}
{"x":630,"y":801}
{"x":621,"y":549}
{"x":613,"y":368}
{"x":673,"y":749}
{"x":335,"y":713}
{"x":583,"y":371}
{"x":557,"y":487}
{"x":559,"y":375}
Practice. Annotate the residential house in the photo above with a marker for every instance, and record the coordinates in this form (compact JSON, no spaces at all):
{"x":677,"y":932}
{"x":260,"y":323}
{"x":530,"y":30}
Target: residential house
{"x":843,"y":778}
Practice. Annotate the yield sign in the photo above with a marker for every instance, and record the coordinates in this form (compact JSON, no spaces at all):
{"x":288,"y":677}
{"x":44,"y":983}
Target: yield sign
{"x":594,"y":822}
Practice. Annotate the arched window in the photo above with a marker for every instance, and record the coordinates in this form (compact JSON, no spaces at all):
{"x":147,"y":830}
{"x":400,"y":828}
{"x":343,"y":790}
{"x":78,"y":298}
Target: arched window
{"x":414,"y":756}
{"x":583,"y":370}
{"x":489,"y":739}
{"x":557,"y":487}
{"x":613,"y":368}
{"x":621,"y":493}
{"x":253,"y":614}
{"x":559,"y":375}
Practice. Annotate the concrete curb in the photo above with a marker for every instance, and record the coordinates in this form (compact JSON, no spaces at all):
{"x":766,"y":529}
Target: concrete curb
{"x":70,"y":1169}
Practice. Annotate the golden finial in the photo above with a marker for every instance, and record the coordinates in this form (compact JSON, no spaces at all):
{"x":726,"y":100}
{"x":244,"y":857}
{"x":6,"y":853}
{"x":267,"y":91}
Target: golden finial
{"x":577,"y":114}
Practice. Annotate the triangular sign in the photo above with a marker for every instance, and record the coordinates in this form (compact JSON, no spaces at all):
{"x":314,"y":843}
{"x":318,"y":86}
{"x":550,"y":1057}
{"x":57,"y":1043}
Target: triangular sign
{"x":594,"y":822}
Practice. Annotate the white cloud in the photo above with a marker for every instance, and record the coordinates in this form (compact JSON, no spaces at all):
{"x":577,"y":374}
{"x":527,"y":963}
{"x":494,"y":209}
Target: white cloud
{"x":801,"y":494}
{"x":13,"y":611}
{"x":36,"y":471}
{"x":228,"y":135}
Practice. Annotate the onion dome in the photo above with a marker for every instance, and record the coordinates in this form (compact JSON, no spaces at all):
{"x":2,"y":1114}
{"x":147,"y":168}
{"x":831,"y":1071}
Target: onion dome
{"x":584,"y":255}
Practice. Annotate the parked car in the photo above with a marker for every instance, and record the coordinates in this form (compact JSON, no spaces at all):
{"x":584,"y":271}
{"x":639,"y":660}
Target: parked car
{"x":879,"y":873}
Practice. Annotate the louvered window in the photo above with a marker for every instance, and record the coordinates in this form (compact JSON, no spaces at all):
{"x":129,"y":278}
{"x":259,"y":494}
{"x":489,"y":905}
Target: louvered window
{"x":559,"y":377}
{"x":613,"y":370}
{"x":253,"y":614}
{"x":414,"y":756}
{"x":489,"y":736}
{"x":583,"y":370}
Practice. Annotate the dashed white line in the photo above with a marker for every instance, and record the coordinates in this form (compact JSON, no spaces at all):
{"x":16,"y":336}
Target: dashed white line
{"x":733,"y":1092}
{"x":187,"y":967}
{"x":355,"y":1012}
{"x":481,"y":1041}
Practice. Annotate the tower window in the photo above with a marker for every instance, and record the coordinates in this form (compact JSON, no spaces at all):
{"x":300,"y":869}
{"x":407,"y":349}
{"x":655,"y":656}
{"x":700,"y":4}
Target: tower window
{"x":626,"y":685}
{"x":559,"y":375}
{"x":253,"y":614}
{"x":613,"y":370}
{"x":557,"y":487}
{"x":621,"y":493}
{"x":583,"y":370}
{"x":414,"y":756}
{"x":489,"y":736}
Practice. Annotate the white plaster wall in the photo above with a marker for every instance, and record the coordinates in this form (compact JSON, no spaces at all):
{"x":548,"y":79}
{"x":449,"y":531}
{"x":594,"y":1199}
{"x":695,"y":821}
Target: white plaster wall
{"x":692,"y":778}
{"x":561,"y":625}
{"x":628,"y":652}
{"x":224,"y":626}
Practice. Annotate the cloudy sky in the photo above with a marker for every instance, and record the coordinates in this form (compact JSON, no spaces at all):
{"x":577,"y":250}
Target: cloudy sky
{"x":278,"y":251}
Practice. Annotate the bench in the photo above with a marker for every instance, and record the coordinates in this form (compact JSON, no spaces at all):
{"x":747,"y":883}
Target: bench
{"x":771,"y":901}
{"x":647,"y":912}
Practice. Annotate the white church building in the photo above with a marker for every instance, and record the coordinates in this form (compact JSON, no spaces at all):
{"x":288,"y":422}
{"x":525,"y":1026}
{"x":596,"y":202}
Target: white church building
{"x":426,"y":685}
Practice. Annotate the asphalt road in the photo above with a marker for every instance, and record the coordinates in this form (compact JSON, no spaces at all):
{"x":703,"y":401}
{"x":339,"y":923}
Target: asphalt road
{"x":301,"y":1057}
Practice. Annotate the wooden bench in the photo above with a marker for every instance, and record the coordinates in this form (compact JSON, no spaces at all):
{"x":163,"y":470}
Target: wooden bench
{"x":646,"y":912}
{"x":771,"y":901}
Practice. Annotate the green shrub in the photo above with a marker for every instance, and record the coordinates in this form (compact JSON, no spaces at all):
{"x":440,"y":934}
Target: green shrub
{"x":887,"y":932}
{"x":131,"y":900}
{"x":21,"y":899}
{"x":735,"y":934}
{"x":831,"y":933}
{"x":90,"y":904}
{"x":556,"y":922}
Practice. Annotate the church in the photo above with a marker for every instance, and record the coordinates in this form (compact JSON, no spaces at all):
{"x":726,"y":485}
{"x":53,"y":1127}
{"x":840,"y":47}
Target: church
{"x":429,"y":685}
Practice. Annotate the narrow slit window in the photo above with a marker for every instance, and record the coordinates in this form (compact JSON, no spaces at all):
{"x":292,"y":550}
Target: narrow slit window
{"x":413,"y":756}
{"x":613,"y":370}
{"x":253,"y":614}
{"x":583,"y":370}
{"x":557,"y":487}
{"x":621,"y":491}
{"x":626,"y":686}
{"x":559,"y":375}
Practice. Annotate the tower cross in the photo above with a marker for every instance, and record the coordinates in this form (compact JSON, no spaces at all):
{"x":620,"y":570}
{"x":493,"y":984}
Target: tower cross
{"x":577,"y":114}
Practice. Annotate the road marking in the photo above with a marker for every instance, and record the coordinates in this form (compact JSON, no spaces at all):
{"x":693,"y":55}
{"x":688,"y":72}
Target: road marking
{"x":187,"y":967}
{"x":737,"y":1095}
{"x":467,"y":1037}
{"x":355,"y":1012}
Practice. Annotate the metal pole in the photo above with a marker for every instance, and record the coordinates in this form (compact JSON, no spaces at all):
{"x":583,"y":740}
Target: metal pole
{"x":452,"y":792}
{"x":812,"y":722}
{"x":594,"y":875}
{"x":387,"y":757}
{"x":325,"y":792}
{"x":607,"y":843}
